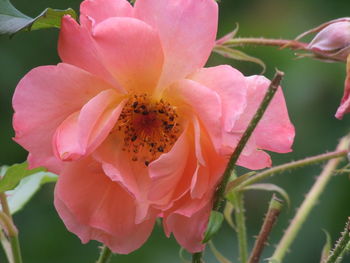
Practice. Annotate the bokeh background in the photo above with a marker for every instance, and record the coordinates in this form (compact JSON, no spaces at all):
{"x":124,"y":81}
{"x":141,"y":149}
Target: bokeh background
{"x":313,"y":90}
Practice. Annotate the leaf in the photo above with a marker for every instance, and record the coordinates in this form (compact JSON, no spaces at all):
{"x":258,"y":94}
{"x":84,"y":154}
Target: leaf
{"x":238,"y":55}
{"x":12,"y":20}
{"x":14,"y":174}
{"x":26,"y":189}
{"x":269,"y":187}
{"x":326,"y":248}
{"x":228,"y":214}
{"x":215,"y":221}
{"x":236,"y":181}
{"x":217,"y":254}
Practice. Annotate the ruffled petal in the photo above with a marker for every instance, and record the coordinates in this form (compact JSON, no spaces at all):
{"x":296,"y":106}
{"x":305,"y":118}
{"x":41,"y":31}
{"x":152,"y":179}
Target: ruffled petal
{"x":99,"y":10}
{"x":132,"y":52}
{"x":59,"y":91}
{"x":205,"y":104}
{"x":188,"y":231}
{"x":187,"y":29}
{"x":231,"y":86}
{"x":76,"y":47}
{"x":345,"y":101}
{"x":83,"y":131}
{"x":94,"y":207}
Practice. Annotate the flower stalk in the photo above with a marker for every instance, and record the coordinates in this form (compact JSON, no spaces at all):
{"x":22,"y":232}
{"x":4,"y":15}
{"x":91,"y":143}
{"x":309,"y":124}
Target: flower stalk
{"x":308,"y":204}
{"x":12,"y":232}
{"x":197,"y":257}
{"x":273,"y":212}
{"x":287,"y":167}
{"x":341,"y":246}
{"x":105,"y":255}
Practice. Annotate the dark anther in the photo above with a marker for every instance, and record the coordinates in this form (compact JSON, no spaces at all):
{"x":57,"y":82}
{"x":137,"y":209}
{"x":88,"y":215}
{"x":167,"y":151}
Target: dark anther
{"x":133,"y":138}
{"x":171,"y":118}
{"x":160,"y":149}
{"x":146,"y":163}
{"x":137,"y":111}
{"x":145,"y":113}
{"x":134,"y":105}
{"x":143,"y":106}
{"x":161,"y":111}
{"x":169,"y":126}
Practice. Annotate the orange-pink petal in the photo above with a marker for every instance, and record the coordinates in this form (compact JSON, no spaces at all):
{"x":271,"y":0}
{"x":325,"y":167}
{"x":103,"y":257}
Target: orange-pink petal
{"x":132,"y":52}
{"x":59,"y":91}
{"x":187,"y":29}
{"x":82,"y":132}
{"x":99,"y":208}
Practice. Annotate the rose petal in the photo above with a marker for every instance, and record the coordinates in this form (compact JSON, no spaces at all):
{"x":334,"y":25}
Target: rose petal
{"x":187,"y":29}
{"x":59,"y":91}
{"x":94,"y":207}
{"x":82,"y":132}
{"x":132,"y":52}
{"x":76,"y":47}
{"x":99,"y":10}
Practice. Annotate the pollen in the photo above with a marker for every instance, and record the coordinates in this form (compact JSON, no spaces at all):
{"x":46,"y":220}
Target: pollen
{"x":149,"y":128}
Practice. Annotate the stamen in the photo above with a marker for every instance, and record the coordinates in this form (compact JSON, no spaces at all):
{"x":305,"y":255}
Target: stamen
{"x":149,"y":128}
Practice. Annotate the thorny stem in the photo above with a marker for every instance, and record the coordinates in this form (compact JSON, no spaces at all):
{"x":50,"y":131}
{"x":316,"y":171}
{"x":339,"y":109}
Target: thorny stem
{"x":341,"y":245}
{"x":105,"y":255}
{"x":282,"y":43}
{"x":273,"y":212}
{"x":12,"y":231}
{"x":309,"y":202}
{"x":220,"y":192}
{"x":238,"y":204}
{"x":286,"y":167}
{"x":197,"y":257}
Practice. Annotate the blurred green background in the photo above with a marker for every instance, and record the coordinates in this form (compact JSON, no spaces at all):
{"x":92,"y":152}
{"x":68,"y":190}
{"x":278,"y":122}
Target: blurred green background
{"x":313,"y":90}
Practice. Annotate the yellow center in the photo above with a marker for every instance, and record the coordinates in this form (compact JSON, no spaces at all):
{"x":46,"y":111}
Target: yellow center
{"x":149,"y":128}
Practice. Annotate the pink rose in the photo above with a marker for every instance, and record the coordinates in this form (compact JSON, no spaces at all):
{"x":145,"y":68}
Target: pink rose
{"x":134,"y":125}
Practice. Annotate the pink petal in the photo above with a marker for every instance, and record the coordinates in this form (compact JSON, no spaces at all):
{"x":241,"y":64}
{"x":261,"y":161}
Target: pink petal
{"x":99,"y":10}
{"x":187,"y":30}
{"x":84,"y":131}
{"x":231,"y":86}
{"x":59,"y":91}
{"x":132,"y":176}
{"x":132,"y":52}
{"x":76,"y":47}
{"x":94,"y":207}
{"x":188,"y":231}
{"x":205,"y":103}
{"x":345,"y":101}
{"x":168,"y":169}
{"x":275,"y":132}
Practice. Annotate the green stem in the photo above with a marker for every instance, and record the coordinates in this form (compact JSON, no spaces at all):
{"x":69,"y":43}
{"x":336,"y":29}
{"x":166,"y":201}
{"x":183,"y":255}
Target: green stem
{"x":238,"y":204}
{"x":286,"y":167}
{"x":13,"y":233}
{"x":309,"y":202}
{"x":220,"y":193}
{"x":341,"y":245}
{"x":293,"y":44}
{"x":105,"y":255}
{"x":197,"y":257}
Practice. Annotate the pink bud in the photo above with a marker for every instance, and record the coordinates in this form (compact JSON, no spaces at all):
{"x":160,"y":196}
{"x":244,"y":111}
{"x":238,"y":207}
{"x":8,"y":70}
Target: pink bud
{"x":333,"y":41}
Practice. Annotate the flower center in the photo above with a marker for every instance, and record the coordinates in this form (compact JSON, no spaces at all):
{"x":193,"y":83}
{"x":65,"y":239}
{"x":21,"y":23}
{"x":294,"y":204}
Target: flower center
{"x":149,"y":128}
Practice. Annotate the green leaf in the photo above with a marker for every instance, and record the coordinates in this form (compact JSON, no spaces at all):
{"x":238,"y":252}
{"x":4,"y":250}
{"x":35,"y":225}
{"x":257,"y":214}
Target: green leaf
{"x":326,"y":248}
{"x":228,"y":214}
{"x":217,"y":254}
{"x":238,"y":55}
{"x":12,"y":20}
{"x":26,"y":189}
{"x":215,"y":221}
{"x":269,"y":187}
{"x":14,"y":174}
